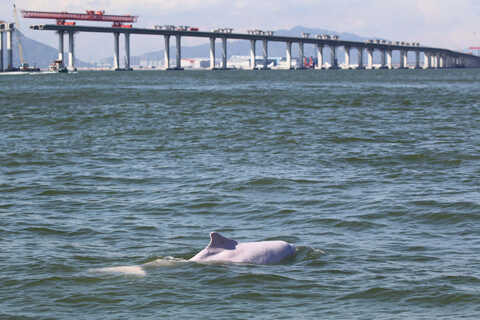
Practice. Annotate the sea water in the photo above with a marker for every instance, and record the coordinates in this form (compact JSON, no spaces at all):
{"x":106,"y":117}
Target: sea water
{"x":373,"y":175}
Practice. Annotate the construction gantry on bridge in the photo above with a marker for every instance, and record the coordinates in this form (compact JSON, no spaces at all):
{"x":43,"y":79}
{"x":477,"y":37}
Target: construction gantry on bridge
{"x":433,"y":57}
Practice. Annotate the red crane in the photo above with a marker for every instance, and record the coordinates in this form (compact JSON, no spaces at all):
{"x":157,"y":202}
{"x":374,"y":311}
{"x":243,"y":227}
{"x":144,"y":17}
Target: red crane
{"x":90,"y":15}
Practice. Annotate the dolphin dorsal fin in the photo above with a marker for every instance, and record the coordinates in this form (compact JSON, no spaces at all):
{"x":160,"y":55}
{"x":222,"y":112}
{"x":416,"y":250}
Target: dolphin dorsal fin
{"x":220,"y":242}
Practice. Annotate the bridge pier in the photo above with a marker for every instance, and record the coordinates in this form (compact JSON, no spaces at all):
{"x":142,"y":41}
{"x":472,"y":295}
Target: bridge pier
{"x":127,"y":52}
{"x":212,"y":53}
{"x":417,"y":59}
{"x":224,"y":53}
{"x":333,"y":58}
{"x":360,"y":58}
{"x":61,"y":46}
{"x":289,"y":55}
{"x":447,"y":61}
{"x":434,"y":61}
{"x":178,"y":39}
{"x":166,"y":52}
{"x":265,"y":54}
{"x":389,"y":59}
{"x":370,"y":58}
{"x":253,"y":55}
{"x":319,"y":56}
{"x":116,"y":51}
{"x":383,"y":59}
{"x":402,"y":59}
{"x":2,"y":40}
{"x":71,"y":52}
{"x":347,"y":56}
{"x":301,"y":58}
{"x":10,"y":48}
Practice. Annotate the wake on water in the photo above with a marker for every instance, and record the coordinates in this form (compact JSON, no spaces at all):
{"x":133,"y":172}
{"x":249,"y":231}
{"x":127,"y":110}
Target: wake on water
{"x":141,"y":270}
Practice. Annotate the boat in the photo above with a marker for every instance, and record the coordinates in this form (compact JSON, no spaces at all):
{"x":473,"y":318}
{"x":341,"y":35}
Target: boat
{"x":58,"y":66}
{"x":24,"y":67}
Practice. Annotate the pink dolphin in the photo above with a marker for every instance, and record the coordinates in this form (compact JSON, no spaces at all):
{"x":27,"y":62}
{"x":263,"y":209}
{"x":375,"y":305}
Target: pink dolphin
{"x":221,"y":249}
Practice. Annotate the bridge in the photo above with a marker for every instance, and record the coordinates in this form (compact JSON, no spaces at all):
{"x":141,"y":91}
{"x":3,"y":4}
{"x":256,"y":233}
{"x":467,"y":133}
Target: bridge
{"x":433,"y":57}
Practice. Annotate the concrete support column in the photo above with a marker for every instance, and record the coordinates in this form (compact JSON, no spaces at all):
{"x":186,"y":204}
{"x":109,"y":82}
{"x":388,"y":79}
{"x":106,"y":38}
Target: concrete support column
{"x":212,"y":53}
{"x":2,"y":39}
{"x":301,"y":58}
{"x":417,"y":59}
{"x":319,"y":56}
{"x":71,"y":51}
{"x":405,"y":59}
{"x":427,"y":62}
{"x":442,"y":61}
{"x":360,"y":58}
{"x":389,"y":59}
{"x":289,"y":55}
{"x":402,"y":59}
{"x":253,"y":55}
{"x":347,"y":57}
{"x":61,"y":46}
{"x":166,"y":52}
{"x":265,"y":54}
{"x":370,"y":58}
{"x":9,"y":49}
{"x":116,"y":51}
{"x":383,"y":59}
{"x":127,"y":51}
{"x":179,"y":51}
{"x":224,"y":53}
{"x":333,"y":58}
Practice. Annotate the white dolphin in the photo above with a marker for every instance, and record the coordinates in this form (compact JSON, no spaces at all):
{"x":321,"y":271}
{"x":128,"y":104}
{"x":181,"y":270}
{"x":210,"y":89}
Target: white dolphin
{"x":221,"y":249}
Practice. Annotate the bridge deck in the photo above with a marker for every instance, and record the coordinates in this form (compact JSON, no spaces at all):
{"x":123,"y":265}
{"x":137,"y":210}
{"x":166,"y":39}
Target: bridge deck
{"x":244,"y":36}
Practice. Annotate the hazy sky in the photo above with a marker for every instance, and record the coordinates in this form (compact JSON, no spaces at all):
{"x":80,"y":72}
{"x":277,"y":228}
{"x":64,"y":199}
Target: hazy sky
{"x":442,"y":23}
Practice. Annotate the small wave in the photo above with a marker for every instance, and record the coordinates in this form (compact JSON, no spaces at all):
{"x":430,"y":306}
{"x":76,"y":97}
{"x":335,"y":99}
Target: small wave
{"x":248,"y":278}
{"x":124,"y":270}
{"x":262,"y":181}
{"x":165,"y":262}
{"x":449,"y":218}
{"x":309,"y":256}
{"x":45,"y":231}
{"x":453,"y":298}
{"x":383,"y":294}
